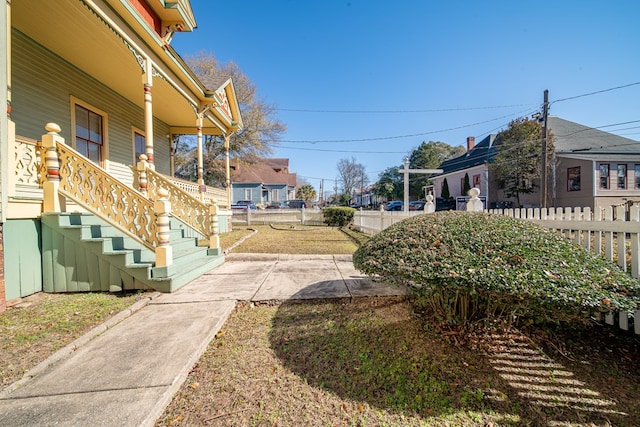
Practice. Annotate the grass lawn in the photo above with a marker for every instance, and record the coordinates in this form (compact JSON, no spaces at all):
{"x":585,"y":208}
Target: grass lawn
{"x":369,"y":362}
{"x":296,"y":239}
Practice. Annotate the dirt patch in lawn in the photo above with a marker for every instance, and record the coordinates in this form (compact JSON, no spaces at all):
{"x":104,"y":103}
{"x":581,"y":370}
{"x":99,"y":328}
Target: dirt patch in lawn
{"x":371,"y":362}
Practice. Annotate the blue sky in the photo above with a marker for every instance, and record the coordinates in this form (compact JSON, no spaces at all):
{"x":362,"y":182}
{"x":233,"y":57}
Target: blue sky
{"x":372,"y":79}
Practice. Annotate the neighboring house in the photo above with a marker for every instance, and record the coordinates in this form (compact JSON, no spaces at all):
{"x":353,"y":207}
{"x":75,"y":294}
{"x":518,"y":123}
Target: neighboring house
{"x":592,"y":168}
{"x":105,"y":73}
{"x":473,"y":163}
{"x":366,"y":197}
{"x":268,"y":180}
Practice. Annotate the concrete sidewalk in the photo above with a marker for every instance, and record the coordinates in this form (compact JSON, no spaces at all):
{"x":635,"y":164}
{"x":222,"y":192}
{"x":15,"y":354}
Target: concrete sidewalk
{"x":126,"y":372}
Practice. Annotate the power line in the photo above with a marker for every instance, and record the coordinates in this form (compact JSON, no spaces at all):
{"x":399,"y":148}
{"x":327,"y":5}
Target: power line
{"x":596,"y":92}
{"x":343,"y":151}
{"x":384,"y":138}
{"x":433,"y":110}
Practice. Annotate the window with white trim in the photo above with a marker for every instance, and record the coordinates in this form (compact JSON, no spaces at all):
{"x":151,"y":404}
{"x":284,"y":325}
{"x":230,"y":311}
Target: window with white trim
{"x":604,"y":176}
{"x":622,"y":177}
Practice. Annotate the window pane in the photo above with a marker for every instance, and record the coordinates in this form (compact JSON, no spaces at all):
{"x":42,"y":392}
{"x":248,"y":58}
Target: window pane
{"x":573,"y":179}
{"x":94,"y":153}
{"x":637,"y":170}
{"x":82,"y":123}
{"x":622,"y":177}
{"x":139,"y":141}
{"x":95,"y":127}
{"x":604,"y":177}
{"x":81,"y":147}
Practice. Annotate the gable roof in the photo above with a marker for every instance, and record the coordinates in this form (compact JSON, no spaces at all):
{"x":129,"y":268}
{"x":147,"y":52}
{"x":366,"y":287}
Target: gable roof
{"x":482,"y":152}
{"x":264,"y":173}
{"x":570,"y":137}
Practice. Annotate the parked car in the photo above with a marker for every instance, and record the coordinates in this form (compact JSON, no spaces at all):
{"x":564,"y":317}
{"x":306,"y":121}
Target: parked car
{"x":296,"y":204}
{"x":443,"y":204}
{"x":244,"y":204}
{"x":276,"y":205}
{"x":416,"y":205}
{"x":396,"y":205}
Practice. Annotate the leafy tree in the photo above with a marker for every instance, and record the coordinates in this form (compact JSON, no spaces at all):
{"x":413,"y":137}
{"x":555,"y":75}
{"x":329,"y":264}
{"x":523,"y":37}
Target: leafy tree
{"x":429,"y":155}
{"x":517,"y":164}
{"x":445,"y":190}
{"x":352,"y":175}
{"x":261,"y":129}
{"x":389,"y":184}
{"x":466,"y":185}
{"x":306,"y":192}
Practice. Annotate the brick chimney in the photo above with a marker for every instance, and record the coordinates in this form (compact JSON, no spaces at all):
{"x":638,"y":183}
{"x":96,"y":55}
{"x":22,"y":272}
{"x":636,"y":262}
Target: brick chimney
{"x":471,"y":142}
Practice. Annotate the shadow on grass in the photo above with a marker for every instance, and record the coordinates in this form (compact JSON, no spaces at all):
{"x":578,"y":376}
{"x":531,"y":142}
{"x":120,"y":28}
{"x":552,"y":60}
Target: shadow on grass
{"x":376,"y":351}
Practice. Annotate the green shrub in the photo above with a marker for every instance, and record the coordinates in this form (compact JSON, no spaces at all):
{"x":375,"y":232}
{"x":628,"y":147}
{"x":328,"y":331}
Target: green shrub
{"x":474,"y":266}
{"x":338,"y":216}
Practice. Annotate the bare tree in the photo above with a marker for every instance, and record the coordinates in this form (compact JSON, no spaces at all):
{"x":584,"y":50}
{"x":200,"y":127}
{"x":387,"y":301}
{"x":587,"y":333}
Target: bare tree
{"x":352,"y":175}
{"x":262,"y":129}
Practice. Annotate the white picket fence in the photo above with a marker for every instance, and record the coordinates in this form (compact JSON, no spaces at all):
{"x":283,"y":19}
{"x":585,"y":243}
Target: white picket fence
{"x":373,"y":222}
{"x":611,"y":232}
{"x":274,"y":216}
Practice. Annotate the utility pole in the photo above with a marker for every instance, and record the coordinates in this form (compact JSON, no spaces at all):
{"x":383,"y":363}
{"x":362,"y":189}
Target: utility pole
{"x":545,"y":176}
{"x":321,"y":198}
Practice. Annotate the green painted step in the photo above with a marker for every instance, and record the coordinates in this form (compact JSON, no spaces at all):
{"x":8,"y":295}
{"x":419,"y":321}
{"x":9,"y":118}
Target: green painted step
{"x":83,"y":253}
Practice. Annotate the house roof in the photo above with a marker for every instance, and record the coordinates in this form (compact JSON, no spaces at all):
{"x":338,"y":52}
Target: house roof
{"x":482,"y":152}
{"x":570,"y":137}
{"x":264,"y":173}
{"x":570,"y":140}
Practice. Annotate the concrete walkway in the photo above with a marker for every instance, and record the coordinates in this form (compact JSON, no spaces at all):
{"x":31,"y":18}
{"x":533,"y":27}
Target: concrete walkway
{"x":125,"y":372}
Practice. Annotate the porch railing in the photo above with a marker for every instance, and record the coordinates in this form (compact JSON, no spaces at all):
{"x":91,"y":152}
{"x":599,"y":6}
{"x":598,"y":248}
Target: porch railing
{"x":71,"y":175}
{"x":199,"y":216}
{"x":211,"y":195}
{"x":25,"y":169}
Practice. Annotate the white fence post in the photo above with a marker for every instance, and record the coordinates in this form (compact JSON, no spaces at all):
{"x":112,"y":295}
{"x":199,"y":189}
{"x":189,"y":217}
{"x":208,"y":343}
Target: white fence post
{"x":620,"y":237}
{"x":634,"y":216}
{"x":608,"y":235}
{"x":429,"y":206}
{"x":474,"y":204}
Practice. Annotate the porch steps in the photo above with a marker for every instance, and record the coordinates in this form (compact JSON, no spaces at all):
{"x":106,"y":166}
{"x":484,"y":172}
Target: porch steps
{"x":83,"y":253}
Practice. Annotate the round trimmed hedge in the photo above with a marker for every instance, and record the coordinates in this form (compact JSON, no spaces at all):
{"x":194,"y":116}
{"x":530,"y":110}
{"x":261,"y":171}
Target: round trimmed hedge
{"x":470,"y":266}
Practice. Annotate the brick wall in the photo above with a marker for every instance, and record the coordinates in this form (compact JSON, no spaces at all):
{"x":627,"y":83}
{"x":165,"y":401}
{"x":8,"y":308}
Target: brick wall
{"x":3,"y":295}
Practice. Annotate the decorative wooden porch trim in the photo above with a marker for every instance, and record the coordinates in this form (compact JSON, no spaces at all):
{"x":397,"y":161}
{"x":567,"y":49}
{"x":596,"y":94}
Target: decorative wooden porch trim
{"x":71,"y":175}
{"x":200,"y":216}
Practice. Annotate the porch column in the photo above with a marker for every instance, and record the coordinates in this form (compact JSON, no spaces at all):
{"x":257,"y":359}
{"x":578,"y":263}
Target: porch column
{"x":147,"y":81}
{"x":200,"y":160}
{"x":52,"y":200}
{"x":227,"y":169}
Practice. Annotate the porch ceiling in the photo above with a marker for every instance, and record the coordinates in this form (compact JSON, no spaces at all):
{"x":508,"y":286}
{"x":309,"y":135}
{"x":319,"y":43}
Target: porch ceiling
{"x":73,"y":32}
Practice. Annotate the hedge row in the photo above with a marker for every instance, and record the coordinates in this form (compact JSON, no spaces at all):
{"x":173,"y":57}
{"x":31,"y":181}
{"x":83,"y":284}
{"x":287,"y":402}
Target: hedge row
{"x":469,"y":266}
